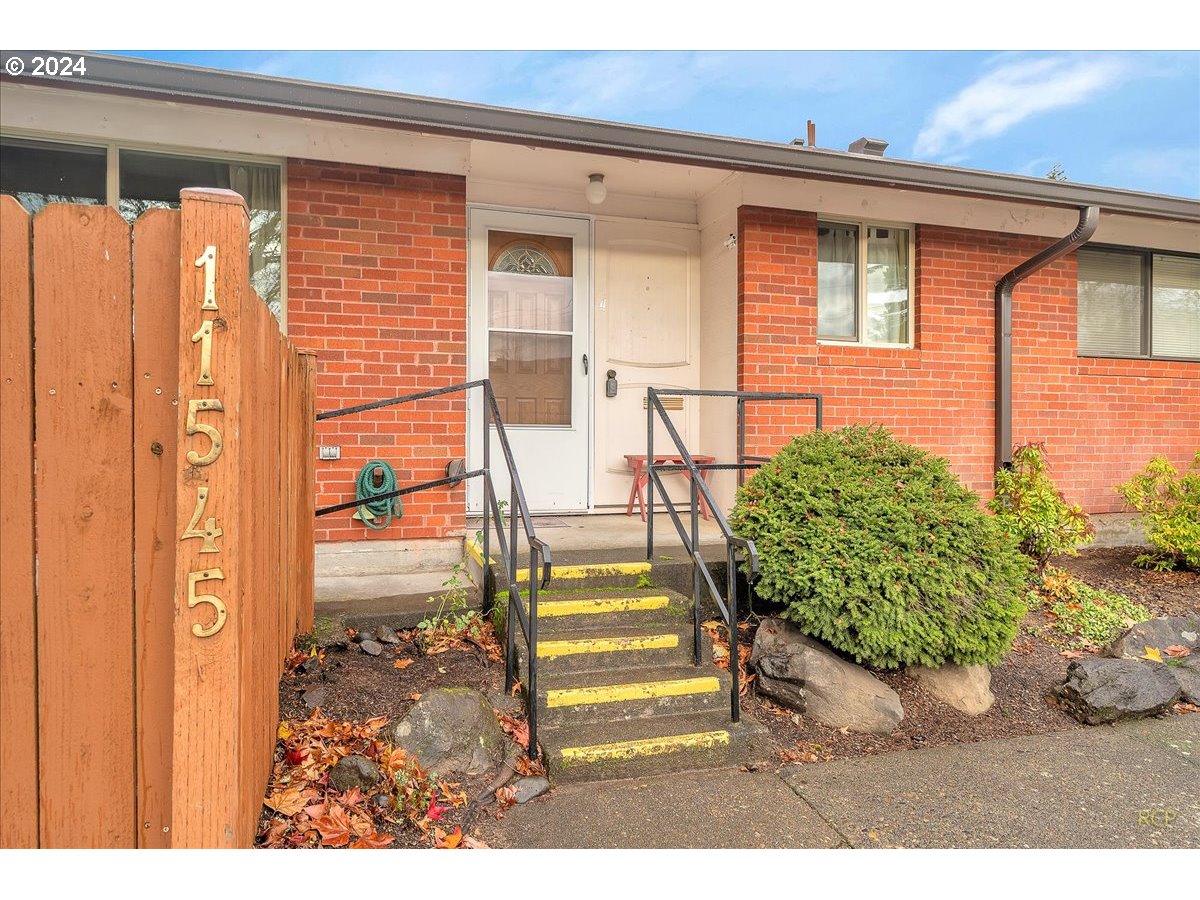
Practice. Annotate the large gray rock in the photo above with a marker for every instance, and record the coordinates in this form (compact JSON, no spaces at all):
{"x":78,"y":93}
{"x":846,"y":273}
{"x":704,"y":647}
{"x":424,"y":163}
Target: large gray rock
{"x":1107,"y":690}
{"x":806,"y":676}
{"x":450,"y":730}
{"x":1160,"y":633}
{"x":1187,"y":675}
{"x":354,"y":771}
{"x":966,"y":688}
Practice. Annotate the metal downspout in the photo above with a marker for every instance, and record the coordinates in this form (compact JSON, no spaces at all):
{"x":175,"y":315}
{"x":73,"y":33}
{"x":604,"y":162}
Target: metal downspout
{"x":1089,"y":217}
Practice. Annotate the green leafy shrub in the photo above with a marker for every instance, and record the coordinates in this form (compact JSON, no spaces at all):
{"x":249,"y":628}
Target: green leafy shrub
{"x":878,"y":550}
{"x":1092,"y":617}
{"x":1028,"y":504}
{"x":1170,"y":506}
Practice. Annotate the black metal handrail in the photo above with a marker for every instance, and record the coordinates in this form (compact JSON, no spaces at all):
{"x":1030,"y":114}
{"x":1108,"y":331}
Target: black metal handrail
{"x":539,"y":550}
{"x":701,"y":576}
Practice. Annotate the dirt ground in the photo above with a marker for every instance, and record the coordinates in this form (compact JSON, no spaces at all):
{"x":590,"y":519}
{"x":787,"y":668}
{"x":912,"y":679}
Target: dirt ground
{"x":359,"y":687}
{"x":1022,"y":683}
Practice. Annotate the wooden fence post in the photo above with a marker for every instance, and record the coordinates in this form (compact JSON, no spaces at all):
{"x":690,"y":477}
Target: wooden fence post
{"x":214,"y":289}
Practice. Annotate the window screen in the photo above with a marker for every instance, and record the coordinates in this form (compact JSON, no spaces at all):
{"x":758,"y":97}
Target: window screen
{"x":837,"y":295}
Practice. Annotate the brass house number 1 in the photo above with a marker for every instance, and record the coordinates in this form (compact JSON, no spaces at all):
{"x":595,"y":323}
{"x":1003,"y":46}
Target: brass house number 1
{"x":208,"y":534}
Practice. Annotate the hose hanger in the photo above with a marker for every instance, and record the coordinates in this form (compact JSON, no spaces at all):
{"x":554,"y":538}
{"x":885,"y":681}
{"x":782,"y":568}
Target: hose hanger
{"x":376,"y":479}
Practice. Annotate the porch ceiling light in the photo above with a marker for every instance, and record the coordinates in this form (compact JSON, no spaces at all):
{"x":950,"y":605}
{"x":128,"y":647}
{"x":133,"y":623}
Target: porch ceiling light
{"x":595,"y":191}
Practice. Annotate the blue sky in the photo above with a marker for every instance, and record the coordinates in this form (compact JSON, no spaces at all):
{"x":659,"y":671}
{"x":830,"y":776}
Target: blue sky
{"x":1128,"y":120}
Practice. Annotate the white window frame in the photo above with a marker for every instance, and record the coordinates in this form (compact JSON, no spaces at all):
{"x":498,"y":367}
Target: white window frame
{"x":113,"y":179}
{"x":860,"y":281}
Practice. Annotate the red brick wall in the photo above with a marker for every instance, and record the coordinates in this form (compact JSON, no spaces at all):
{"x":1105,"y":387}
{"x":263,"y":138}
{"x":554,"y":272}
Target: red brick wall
{"x":377,"y":285}
{"x":1100,"y":419}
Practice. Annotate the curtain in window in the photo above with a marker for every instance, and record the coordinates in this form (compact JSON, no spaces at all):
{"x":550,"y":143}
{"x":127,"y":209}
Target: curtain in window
{"x":261,"y":187}
{"x":1111,"y":297}
{"x":887,"y":285}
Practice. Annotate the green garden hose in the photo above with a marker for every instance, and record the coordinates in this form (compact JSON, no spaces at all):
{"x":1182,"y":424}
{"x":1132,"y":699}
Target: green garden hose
{"x":366,"y":490}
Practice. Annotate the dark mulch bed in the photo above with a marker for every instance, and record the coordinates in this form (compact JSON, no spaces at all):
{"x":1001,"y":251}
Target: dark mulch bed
{"x":359,"y":687}
{"x":1022,"y":683}
{"x":1163,"y":593}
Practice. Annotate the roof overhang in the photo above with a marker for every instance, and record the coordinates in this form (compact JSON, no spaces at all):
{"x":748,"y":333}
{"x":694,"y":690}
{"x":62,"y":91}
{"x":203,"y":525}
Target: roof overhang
{"x":214,"y":87}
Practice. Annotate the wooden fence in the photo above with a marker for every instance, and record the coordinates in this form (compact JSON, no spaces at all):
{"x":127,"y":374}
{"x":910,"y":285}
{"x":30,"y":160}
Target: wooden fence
{"x":157,"y":524}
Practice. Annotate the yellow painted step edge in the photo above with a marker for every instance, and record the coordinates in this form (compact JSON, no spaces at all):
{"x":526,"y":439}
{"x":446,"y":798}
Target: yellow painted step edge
{"x":620,"y":750}
{"x":646,"y":690}
{"x":552,"y":649}
{"x":550,"y":608}
{"x":571,"y":572}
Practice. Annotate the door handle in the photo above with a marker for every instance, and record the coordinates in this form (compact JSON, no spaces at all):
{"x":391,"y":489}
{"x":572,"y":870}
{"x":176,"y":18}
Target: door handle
{"x":585,"y":364}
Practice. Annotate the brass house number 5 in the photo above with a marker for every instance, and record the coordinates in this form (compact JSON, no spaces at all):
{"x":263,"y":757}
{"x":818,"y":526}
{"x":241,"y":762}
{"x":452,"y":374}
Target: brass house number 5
{"x":210,"y":532}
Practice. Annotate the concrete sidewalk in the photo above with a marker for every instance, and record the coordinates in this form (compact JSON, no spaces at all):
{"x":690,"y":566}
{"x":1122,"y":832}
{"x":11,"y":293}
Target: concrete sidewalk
{"x":1134,"y":785}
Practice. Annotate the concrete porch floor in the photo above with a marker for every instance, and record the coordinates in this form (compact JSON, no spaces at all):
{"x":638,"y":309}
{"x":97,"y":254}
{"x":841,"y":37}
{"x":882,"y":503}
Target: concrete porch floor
{"x":608,"y":537}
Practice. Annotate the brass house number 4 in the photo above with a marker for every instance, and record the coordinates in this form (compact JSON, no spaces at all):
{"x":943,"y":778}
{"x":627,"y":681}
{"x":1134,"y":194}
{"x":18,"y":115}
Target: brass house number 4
{"x":208,"y":534}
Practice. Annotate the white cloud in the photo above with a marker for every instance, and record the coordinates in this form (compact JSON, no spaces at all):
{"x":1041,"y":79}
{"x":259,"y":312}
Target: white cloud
{"x":1012,"y":92}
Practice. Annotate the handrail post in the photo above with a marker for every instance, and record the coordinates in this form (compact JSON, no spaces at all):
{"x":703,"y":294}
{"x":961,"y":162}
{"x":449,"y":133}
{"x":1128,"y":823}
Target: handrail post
{"x":513,"y":512}
{"x":741,"y":439}
{"x":488,"y":577}
{"x":695,"y":568}
{"x":532,"y":690}
{"x":734,"y":661}
{"x":648,"y":509}
{"x":514,"y":590}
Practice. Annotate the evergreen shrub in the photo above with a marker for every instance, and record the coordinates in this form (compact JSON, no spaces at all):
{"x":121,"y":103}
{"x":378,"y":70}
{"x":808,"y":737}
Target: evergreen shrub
{"x":876,"y":549}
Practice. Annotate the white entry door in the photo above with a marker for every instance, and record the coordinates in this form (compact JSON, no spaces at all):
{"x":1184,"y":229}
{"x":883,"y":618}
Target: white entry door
{"x":647,"y":333}
{"x":529,"y":318}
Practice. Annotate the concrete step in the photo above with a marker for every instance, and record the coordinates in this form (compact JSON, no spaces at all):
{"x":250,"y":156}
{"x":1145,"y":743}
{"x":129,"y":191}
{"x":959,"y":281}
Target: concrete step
{"x":644,"y":746}
{"x":608,"y":647}
{"x":610,"y":696}
{"x":566,"y":610}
